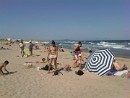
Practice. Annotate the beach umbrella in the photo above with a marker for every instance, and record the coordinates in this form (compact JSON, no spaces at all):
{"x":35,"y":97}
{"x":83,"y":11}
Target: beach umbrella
{"x":100,"y":61}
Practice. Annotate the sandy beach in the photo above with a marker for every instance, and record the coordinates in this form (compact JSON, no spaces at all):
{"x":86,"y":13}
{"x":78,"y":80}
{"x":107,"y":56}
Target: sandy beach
{"x":31,"y":83}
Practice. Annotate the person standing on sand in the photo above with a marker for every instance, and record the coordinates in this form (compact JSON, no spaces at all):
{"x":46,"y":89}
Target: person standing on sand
{"x":30,"y":47}
{"x":21,"y":45}
{"x":77,"y":50}
{"x":52,"y":55}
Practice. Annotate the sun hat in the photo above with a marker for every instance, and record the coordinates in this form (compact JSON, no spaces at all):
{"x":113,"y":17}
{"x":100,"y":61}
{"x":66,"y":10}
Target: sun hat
{"x":30,"y":41}
{"x":79,"y":55}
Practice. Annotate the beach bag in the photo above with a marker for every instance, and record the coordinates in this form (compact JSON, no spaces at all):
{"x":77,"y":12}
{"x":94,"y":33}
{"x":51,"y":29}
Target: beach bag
{"x":72,"y":53}
{"x":47,"y":67}
{"x":79,"y":72}
{"x":56,"y":72}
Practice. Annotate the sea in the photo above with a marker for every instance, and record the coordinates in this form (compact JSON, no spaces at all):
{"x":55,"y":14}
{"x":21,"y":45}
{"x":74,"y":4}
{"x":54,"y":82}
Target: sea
{"x":119,"y":48}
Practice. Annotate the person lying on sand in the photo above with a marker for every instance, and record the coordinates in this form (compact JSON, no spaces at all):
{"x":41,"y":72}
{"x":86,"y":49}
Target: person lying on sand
{"x":3,"y":66}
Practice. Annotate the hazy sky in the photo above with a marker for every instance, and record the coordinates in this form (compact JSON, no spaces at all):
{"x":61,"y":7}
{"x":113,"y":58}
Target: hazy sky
{"x":65,"y":19}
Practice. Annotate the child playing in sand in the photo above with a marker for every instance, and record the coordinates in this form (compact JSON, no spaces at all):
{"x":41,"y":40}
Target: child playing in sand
{"x":3,"y":65}
{"x":78,"y":62}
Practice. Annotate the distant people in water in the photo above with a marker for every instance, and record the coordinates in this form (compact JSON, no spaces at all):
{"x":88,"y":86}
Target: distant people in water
{"x":52,"y":55}
{"x":21,"y":45}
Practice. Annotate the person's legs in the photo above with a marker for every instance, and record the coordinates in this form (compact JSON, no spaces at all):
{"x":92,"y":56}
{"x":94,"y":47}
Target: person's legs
{"x":22,"y":52}
{"x":75,"y":64}
{"x":50,"y":62}
{"x":55,"y":63}
{"x":76,"y":56}
{"x":30,"y":52}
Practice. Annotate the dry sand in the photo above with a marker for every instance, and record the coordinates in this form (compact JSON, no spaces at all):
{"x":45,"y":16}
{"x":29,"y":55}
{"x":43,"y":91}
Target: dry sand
{"x":30,"y":83}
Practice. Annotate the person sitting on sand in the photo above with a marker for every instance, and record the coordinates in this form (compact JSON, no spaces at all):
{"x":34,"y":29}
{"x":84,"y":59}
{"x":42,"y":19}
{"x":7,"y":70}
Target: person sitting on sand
{"x":52,"y":55}
{"x":78,"y":62}
{"x":3,"y":65}
{"x":61,"y":49}
{"x":90,"y":52}
{"x":118,"y":67}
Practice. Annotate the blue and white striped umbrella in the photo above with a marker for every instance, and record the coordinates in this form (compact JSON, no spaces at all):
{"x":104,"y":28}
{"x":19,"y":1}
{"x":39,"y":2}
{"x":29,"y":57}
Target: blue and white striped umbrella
{"x":100,"y":61}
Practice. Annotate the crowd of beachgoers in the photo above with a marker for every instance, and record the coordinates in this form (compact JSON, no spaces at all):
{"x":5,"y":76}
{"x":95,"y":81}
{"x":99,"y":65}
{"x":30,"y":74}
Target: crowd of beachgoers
{"x":32,"y":65}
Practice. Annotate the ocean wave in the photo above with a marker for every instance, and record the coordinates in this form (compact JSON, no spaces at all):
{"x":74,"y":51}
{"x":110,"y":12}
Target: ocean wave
{"x":106,"y":43}
{"x":60,"y":44}
{"x":91,"y":43}
{"x":97,"y":44}
{"x":111,"y":45}
{"x":126,"y":48}
{"x":69,"y":42}
{"x":120,"y":48}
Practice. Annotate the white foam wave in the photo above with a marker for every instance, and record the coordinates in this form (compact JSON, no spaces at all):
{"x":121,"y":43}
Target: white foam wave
{"x":126,"y":48}
{"x":111,"y":45}
{"x":60,"y":44}
{"x":106,"y":43}
{"x":69,"y":42}
{"x":90,"y":43}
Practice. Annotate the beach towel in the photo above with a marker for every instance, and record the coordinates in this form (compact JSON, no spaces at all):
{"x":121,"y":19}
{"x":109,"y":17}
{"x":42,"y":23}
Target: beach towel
{"x":119,"y":73}
{"x":26,"y":51}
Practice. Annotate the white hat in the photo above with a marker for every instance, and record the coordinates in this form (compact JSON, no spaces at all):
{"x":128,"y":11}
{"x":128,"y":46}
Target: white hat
{"x":79,"y":55}
{"x":30,"y":41}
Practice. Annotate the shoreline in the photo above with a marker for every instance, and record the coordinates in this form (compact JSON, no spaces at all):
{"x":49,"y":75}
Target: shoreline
{"x":85,"y":51}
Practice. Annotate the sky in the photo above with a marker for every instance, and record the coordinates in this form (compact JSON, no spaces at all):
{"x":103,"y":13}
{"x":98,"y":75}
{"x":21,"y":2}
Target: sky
{"x":65,"y":19}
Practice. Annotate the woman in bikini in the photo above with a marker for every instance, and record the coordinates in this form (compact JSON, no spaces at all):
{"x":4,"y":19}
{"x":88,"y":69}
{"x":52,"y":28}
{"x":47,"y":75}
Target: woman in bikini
{"x":52,"y":55}
{"x":77,"y":50}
